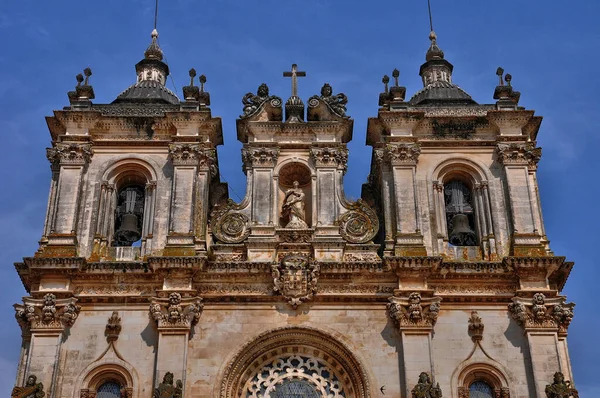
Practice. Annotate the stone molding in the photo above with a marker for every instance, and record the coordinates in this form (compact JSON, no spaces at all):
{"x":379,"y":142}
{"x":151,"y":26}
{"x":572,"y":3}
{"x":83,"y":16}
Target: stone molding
{"x":47,"y":313}
{"x":519,"y":154}
{"x":176,"y":313}
{"x":414,"y":311}
{"x":70,"y":153}
{"x":540,"y":312}
{"x":330,"y":157}
{"x":403,"y":153}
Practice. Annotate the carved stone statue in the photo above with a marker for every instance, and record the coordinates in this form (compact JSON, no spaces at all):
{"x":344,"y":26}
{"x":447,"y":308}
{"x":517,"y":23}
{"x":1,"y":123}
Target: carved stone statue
{"x":337,"y":103}
{"x":166,"y":389}
{"x":293,"y":208}
{"x":561,"y":388}
{"x":425,"y":388}
{"x":32,"y":389}
{"x":252,"y":102}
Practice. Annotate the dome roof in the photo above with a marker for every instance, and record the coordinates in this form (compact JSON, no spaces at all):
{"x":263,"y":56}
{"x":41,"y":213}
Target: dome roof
{"x":148,"y":91}
{"x":441,"y":91}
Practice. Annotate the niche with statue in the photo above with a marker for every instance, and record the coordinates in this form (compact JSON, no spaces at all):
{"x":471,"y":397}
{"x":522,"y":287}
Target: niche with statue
{"x":295,"y":196}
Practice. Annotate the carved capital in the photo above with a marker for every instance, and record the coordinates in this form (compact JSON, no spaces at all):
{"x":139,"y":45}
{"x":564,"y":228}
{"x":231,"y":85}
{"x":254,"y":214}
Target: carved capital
{"x":176,"y":312}
{"x":330,"y":157}
{"x":414,"y":312}
{"x":295,"y":278}
{"x":69,"y":153}
{"x":519,"y":154}
{"x":193,"y":155}
{"x":259,"y":157}
{"x":402,"y":154}
{"x":47,"y":313}
{"x":540,"y":312}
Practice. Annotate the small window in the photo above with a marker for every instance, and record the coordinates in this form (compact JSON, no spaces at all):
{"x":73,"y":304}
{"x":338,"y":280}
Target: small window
{"x":480,"y":389}
{"x":460,"y":214}
{"x":109,"y":389}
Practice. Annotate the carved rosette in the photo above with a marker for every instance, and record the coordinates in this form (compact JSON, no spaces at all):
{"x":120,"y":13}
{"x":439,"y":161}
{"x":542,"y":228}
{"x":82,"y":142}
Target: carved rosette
{"x":414,"y":311}
{"x":259,"y":157}
{"x":360,"y":224}
{"x":331,"y":157}
{"x":47,"y":313}
{"x":176,"y":312}
{"x":541,"y":312}
{"x":69,"y":153}
{"x":228,"y":224}
{"x":295,"y":278}
{"x":402,"y":154}
{"x":194,"y":155}
{"x":519,"y":154}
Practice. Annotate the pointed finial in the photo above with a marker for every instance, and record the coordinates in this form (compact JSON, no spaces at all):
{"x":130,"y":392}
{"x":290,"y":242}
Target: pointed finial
{"x":192,"y":76}
{"x":202,"y":81}
{"x":79,"y":78}
{"x":432,"y":37}
{"x":385,"y":80}
{"x":154,"y":33}
{"x":395,"y":75}
{"x":508,"y":78}
{"x":434,"y":52}
{"x":153,"y":51}
{"x":499,"y":73}
{"x":87,"y":72}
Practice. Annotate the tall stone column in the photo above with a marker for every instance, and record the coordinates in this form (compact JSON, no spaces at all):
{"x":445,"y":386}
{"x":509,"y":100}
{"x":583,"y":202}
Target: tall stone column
{"x":193,"y":166}
{"x":402,"y":158}
{"x":519,"y":159}
{"x":71,"y":160}
{"x":415,"y":316}
{"x":45,"y":321}
{"x":545,"y":322}
{"x":176,"y":317}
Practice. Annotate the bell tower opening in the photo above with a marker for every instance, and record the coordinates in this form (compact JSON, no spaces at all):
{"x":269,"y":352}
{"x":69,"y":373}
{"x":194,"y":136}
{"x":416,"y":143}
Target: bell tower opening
{"x":129,"y":216}
{"x":460,"y":214}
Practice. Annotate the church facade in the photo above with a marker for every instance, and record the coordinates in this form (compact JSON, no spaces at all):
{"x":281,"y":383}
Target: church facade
{"x":150,"y":282}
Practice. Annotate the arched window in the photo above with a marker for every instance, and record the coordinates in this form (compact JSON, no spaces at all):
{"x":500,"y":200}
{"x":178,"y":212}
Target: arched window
{"x":480,"y":389}
{"x":460,"y":214}
{"x":129,"y":215}
{"x":109,"y":389}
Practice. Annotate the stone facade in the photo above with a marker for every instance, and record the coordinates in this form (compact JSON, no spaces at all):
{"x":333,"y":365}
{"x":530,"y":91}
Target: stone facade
{"x":149,"y":280}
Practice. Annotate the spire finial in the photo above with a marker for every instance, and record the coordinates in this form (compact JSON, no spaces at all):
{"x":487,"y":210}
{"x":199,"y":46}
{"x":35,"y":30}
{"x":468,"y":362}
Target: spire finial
{"x":153,"y":51}
{"x":395,"y":75}
{"x":192,"y":76}
{"x":499,"y":73}
{"x":385,"y":80}
{"x":202,"y":81}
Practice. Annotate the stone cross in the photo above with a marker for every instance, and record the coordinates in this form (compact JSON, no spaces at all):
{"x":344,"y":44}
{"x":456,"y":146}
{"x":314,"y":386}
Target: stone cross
{"x":294,"y":74}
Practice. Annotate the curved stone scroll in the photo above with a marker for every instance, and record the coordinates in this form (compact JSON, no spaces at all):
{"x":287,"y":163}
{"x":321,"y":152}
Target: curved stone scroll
{"x":360,"y":224}
{"x":228,"y":224}
{"x":327,"y":106}
{"x":254,"y":103}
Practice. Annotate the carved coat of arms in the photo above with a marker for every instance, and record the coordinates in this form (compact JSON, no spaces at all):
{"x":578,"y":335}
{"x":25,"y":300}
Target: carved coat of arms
{"x":295,"y":278}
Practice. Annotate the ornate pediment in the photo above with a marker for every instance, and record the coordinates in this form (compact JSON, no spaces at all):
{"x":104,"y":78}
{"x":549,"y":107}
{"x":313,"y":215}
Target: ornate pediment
{"x":542,"y":312}
{"x":47,"y":313}
{"x":295,"y":278}
{"x":176,"y":312}
{"x":414,"y":311}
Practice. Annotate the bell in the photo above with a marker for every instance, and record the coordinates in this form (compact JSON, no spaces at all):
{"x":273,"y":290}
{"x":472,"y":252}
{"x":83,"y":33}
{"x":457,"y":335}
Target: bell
{"x":461,"y":233}
{"x":128,"y":232}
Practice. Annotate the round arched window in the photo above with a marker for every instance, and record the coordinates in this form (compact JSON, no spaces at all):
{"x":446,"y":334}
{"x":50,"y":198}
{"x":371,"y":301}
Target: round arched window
{"x":480,"y":389}
{"x":109,"y":389}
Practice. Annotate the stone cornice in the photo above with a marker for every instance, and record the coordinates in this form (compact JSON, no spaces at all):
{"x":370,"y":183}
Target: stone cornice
{"x":281,"y":132}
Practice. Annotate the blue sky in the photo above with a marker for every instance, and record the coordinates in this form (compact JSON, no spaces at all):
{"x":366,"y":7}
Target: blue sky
{"x":550,"y":47}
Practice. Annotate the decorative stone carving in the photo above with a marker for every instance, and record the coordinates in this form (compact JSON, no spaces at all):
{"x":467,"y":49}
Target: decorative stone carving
{"x":541,"y":312}
{"x":70,"y":153}
{"x":295,"y":278}
{"x":47,"y":313}
{"x":399,"y":154}
{"x":32,"y":389}
{"x":228,"y":224}
{"x":360,"y":224}
{"x":519,"y":153}
{"x":176,"y":312}
{"x":335,"y":104}
{"x":193,"y":155}
{"x":293,"y":208}
{"x":259,"y":157}
{"x":113,"y":327}
{"x":253,"y":103}
{"x":425,"y":388}
{"x":475,"y":327}
{"x":331,"y":157}
{"x":414,"y":311}
{"x":561,"y":388}
{"x":166,"y":389}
